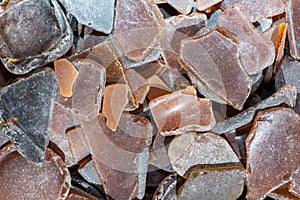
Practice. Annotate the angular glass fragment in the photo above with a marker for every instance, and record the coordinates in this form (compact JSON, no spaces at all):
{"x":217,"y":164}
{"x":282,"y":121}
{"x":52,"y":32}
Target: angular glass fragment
{"x":264,"y":24}
{"x":213,"y":184}
{"x":66,"y":73}
{"x":273,"y":151}
{"x":183,"y":7}
{"x":167,"y":189}
{"x":181,"y":112}
{"x":78,"y":144}
{"x":202,"y":5}
{"x":294,"y":186}
{"x":36,"y":36}
{"x":155,"y":81}
{"x":256,"y":51}
{"x":259,"y":9}
{"x":293,"y":16}
{"x":89,"y":173}
{"x":192,"y":149}
{"x":26,"y":112}
{"x":22,"y":179}
{"x":114,"y":101}
{"x":88,"y":88}
{"x":282,"y":193}
{"x":102,"y":17}
{"x":137,"y":19}
{"x":178,"y":28}
{"x":285,"y":95}
{"x":213,"y":61}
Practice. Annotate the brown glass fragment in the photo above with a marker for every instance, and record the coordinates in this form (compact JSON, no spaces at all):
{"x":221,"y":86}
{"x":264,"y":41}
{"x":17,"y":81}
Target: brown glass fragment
{"x":294,"y":186}
{"x":181,"y":112}
{"x":183,"y":7}
{"x":22,"y":179}
{"x":293,"y":20}
{"x":66,"y":74}
{"x":259,"y":9}
{"x":89,"y":173}
{"x":78,"y":194}
{"x":192,"y":149}
{"x":202,"y":5}
{"x":256,"y":51}
{"x":138,"y":25}
{"x":207,"y":59}
{"x":77,"y":144}
{"x":273,"y":153}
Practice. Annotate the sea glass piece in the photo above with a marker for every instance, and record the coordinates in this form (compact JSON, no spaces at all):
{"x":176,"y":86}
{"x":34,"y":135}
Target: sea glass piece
{"x":207,"y":59}
{"x":36,"y":36}
{"x":213,"y":184}
{"x":137,"y":19}
{"x":259,"y":9}
{"x":102,"y":17}
{"x":202,"y":5}
{"x":167,"y":189}
{"x":26,"y":112}
{"x":22,"y":179}
{"x":183,"y":7}
{"x":181,"y":112}
{"x":89,"y":173}
{"x":66,"y":73}
{"x":256,"y":51}
{"x":88,"y":88}
{"x":114,"y":101}
{"x":293,"y":16}
{"x":287,"y":94}
{"x":192,"y":149}
{"x":178,"y":28}
{"x":272,"y":151}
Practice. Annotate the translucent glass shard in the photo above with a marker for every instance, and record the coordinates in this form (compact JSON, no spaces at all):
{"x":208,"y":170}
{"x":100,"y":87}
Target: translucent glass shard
{"x":137,"y":19}
{"x":202,"y":5}
{"x":181,"y":112}
{"x":212,"y":60}
{"x":89,"y":173}
{"x":256,"y":51}
{"x":77,"y":144}
{"x":183,"y":7}
{"x":294,"y":186}
{"x":273,"y":153}
{"x":192,"y":149}
{"x":167,"y":189}
{"x":103,"y":13}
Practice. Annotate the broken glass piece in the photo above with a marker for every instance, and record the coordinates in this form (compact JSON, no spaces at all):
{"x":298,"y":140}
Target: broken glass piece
{"x":204,"y":58}
{"x":294,"y":186}
{"x":183,"y":7}
{"x":174,"y":79}
{"x":66,"y":73}
{"x":256,"y":51}
{"x":115,"y":99}
{"x":155,"y":81}
{"x":285,"y":95}
{"x":192,"y":149}
{"x":178,"y":28}
{"x":102,"y":16}
{"x":264,"y":24}
{"x":259,"y":9}
{"x":167,"y":189}
{"x":293,"y":16}
{"x":213,"y":184}
{"x":41,"y":35}
{"x":26,"y":112}
{"x":89,"y":173}
{"x":129,"y":146}
{"x":202,"y":5}
{"x":88,"y":88}
{"x":22,"y":179}
{"x":181,"y":112}
{"x":282,"y":193}
{"x":137,"y":19}
{"x":273,"y":153}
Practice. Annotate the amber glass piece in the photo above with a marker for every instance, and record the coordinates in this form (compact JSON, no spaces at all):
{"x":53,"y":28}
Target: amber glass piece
{"x":204,"y":58}
{"x":294,"y":186}
{"x":77,"y":144}
{"x":138,"y":25}
{"x":202,"y":5}
{"x":22,"y":179}
{"x":183,"y":7}
{"x":192,"y":149}
{"x":213,"y":184}
{"x":156,"y":82}
{"x":182,"y":111}
{"x":78,"y":194}
{"x":282,"y":193}
{"x":114,"y":101}
{"x":293,"y":20}
{"x":259,"y":9}
{"x":273,"y":153}
{"x":256,"y":51}
{"x":66,"y":73}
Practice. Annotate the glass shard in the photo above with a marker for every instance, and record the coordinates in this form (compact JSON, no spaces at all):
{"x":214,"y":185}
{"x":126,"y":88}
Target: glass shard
{"x":183,"y":7}
{"x":294,"y":186}
{"x":293,"y":16}
{"x":167,"y":189}
{"x":202,"y":5}
{"x":89,"y":173}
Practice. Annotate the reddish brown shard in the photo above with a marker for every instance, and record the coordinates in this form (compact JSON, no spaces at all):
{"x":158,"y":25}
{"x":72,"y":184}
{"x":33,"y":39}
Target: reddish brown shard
{"x":192,"y":149}
{"x":259,"y":9}
{"x":66,"y":73}
{"x":202,"y":5}
{"x":212,"y":60}
{"x":77,"y":144}
{"x":294,"y":186}
{"x":256,"y":51}
{"x":273,"y":153}
{"x":78,"y":194}
{"x":282,"y":193}
{"x":183,"y":7}
{"x":181,"y":112}
{"x":138,"y":25}
{"x":293,"y":19}
{"x":114,"y":101}
{"x":22,"y":179}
